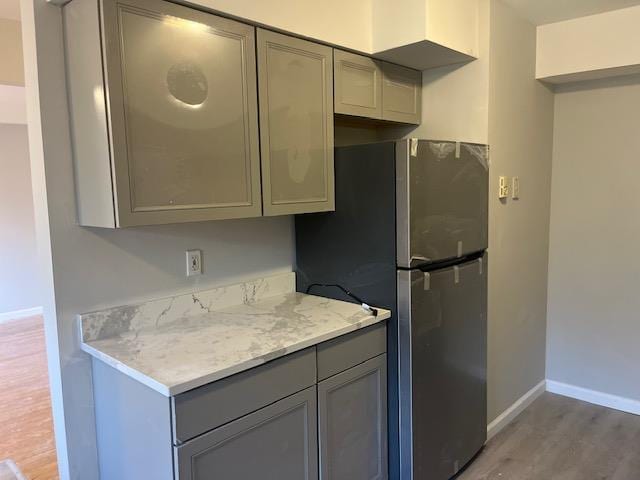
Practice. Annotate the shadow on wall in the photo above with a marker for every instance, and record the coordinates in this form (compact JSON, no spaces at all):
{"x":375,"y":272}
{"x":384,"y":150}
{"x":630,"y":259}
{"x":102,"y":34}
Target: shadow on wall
{"x":621,"y":81}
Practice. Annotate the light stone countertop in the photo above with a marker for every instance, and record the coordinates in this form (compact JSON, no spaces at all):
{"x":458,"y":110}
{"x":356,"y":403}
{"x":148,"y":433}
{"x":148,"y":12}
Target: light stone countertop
{"x":176,"y":344}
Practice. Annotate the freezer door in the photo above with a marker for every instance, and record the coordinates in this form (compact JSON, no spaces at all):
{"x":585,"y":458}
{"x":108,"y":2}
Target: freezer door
{"x":444,"y":339}
{"x":442,"y":200}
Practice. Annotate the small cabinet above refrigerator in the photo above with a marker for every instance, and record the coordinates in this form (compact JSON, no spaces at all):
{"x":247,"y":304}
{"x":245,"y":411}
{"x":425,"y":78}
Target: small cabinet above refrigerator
{"x":370,"y":88}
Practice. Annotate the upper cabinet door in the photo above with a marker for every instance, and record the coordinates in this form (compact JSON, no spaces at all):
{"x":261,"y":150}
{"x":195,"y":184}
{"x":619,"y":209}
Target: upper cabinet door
{"x":182,"y":98}
{"x":358,"y":85}
{"x":295,"y":80}
{"x":401,"y":94}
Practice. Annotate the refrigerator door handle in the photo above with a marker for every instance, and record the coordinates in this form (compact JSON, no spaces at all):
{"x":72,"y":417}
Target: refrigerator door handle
{"x":420,"y":258}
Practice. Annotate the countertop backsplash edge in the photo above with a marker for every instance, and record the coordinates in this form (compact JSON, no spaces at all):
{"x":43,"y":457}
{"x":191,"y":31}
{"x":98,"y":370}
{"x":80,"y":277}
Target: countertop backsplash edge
{"x":114,"y":321}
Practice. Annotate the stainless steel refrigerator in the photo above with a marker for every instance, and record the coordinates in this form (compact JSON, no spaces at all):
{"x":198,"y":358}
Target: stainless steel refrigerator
{"x":409,"y":234}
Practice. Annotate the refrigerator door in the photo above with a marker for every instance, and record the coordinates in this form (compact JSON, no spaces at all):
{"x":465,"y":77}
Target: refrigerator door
{"x":443,"y":365}
{"x":442,"y":200}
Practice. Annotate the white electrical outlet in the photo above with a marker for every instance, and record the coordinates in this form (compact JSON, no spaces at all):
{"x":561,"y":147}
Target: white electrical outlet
{"x":515,"y":188}
{"x":503,"y":187}
{"x":194,"y":263}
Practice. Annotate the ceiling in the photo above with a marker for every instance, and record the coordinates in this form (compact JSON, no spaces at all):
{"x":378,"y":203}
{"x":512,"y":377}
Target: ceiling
{"x":10,"y":9}
{"x":540,"y":12}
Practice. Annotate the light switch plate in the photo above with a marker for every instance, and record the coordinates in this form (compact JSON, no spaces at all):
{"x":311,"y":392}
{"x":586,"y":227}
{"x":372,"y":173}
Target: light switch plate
{"x":515,"y":188}
{"x":503,"y":188}
{"x":194,"y":263}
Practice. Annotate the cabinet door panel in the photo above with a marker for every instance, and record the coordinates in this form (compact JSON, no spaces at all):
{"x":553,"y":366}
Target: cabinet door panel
{"x":278,"y":442}
{"x":296,"y":124}
{"x":401,"y":94}
{"x":353,"y":423}
{"x":358,"y":85}
{"x":183,"y":99}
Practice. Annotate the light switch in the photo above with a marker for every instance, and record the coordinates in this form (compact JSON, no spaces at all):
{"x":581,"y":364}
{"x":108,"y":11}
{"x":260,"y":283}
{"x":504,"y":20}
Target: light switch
{"x":515,"y":188}
{"x":503,"y":188}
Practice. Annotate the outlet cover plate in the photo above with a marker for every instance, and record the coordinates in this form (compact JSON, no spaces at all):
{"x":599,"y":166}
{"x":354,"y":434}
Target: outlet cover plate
{"x":194,"y":263}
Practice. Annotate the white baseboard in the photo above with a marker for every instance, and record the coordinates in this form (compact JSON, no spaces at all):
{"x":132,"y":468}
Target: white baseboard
{"x":17,"y":314}
{"x":592,"y":396}
{"x":514,"y":410}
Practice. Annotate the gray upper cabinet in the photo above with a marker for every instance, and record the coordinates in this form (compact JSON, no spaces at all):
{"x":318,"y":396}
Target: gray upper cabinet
{"x":365,"y":87}
{"x":352,"y":419}
{"x":401,"y":94}
{"x":295,"y":82}
{"x":169,"y":132}
{"x":278,"y":442}
{"x":358,"y":85}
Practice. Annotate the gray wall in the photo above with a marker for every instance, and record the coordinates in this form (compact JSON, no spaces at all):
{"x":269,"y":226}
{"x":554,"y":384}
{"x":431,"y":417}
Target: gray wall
{"x":19,"y":279}
{"x":521,"y":137}
{"x":594,"y":268}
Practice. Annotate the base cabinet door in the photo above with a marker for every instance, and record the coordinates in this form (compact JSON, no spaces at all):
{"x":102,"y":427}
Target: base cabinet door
{"x":278,"y":442}
{"x":295,"y":84}
{"x":352,"y":413}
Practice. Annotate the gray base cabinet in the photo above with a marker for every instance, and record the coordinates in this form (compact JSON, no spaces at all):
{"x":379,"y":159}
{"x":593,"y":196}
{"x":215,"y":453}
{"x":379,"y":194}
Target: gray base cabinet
{"x":278,"y":442}
{"x":320,"y":413}
{"x":352,"y":422}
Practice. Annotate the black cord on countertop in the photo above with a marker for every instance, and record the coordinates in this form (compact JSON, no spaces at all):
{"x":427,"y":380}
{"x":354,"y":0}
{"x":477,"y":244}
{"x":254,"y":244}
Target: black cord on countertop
{"x":364,"y":304}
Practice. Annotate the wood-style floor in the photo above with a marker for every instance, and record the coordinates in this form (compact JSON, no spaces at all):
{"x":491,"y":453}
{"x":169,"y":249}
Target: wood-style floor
{"x":26,"y":434}
{"x":558,"y":438}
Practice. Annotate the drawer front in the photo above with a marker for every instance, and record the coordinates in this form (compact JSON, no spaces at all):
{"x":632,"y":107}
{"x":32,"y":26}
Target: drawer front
{"x":205,"y":408}
{"x":337,"y":355}
{"x":277,"y":442}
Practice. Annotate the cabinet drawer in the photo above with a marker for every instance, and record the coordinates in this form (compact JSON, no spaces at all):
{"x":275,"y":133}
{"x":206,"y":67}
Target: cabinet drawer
{"x":276,"y":442}
{"x":344,"y":352}
{"x":210,"y":406}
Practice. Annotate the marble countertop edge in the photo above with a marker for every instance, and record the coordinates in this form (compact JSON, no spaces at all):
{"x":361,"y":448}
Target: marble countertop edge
{"x":176,"y":389}
{"x":126,"y":370}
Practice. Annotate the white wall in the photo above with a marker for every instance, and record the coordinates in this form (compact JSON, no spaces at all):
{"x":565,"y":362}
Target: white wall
{"x":590,"y":47}
{"x":19,"y":278}
{"x":594,"y":268}
{"x":455,"y":99}
{"x":345,"y":23}
{"x":521,"y":136}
